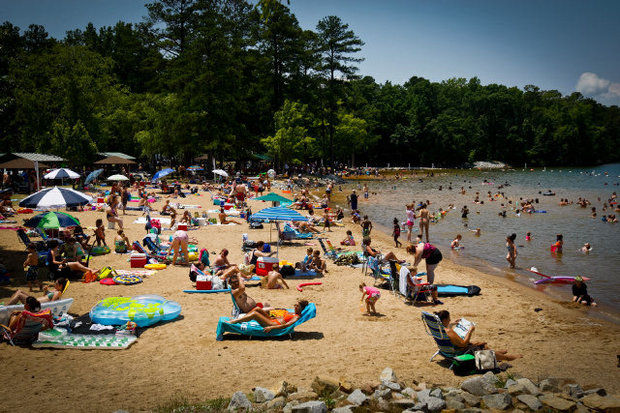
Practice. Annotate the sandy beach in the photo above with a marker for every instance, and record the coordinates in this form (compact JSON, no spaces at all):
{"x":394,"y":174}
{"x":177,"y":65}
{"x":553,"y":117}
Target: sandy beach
{"x":182,"y":359}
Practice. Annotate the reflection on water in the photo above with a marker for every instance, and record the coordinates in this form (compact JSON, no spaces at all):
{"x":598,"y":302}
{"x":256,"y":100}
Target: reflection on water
{"x":489,"y":250}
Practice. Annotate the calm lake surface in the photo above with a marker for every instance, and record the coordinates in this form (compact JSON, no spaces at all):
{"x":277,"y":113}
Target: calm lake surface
{"x":488,"y":251}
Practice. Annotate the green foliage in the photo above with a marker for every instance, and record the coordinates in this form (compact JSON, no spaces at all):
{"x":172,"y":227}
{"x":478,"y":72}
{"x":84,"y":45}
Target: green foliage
{"x":182,"y":405}
{"x":291,"y":141}
{"x":72,"y":143}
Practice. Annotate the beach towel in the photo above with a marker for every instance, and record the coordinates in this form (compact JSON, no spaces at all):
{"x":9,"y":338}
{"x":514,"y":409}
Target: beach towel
{"x":301,"y":275}
{"x":253,"y":329}
{"x":162,"y":220}
{"x":60,"y":338}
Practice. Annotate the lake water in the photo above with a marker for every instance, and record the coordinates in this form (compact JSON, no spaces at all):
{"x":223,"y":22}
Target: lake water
{"x":488,"y":251}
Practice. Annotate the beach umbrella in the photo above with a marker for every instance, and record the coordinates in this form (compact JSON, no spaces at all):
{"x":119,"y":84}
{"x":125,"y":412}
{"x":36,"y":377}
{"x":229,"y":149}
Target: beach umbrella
{"x":55,"y":198}
{"x":52,"y":220}
{"x":220,"y":172}
{"x":160,"y":174}
{"x":195,"y":168}
{"x":92,"y":176}
{"x":277,"y":214}
{"x":62,"y":173}
{"x":273,"y":197}
{"x":118,"y":177}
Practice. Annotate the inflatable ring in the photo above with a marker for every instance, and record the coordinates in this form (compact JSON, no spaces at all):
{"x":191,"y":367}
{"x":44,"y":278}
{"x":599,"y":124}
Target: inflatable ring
{"x":304,"y":284}
{"x":100,"y":250}
{"x":155,"y":266}
{"x":127,"y":279}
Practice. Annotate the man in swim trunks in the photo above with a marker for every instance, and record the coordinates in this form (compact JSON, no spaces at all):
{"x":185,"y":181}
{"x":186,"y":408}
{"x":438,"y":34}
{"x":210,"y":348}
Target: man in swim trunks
{"x":273,"y":319}
{"x":240,"y":191}
{"x":275,"y":280}
{"x":244,"y":301}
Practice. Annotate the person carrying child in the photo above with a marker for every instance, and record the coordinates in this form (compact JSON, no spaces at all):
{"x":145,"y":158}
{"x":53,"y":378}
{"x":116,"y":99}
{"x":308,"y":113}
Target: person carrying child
{"x":31,"y":266}
{"x":370,"y":295}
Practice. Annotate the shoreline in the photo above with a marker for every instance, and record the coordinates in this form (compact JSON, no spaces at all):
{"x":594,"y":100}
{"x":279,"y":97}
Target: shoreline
{"x":181,"y":358}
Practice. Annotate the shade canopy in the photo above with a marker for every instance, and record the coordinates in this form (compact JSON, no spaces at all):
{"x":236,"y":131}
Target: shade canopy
{"x":118,"y":177}
{"x":21,"y":163}
{"x":162,"y":173}
{"x":62,"y":173}
{"x":115,"y":160}
{"x":220,"y":172}
{"x":92,"y":176}
{"x":52,"y":220}
{"x":273,"y":197}
{"x":55,"y":198}
{"x":274,"y":214}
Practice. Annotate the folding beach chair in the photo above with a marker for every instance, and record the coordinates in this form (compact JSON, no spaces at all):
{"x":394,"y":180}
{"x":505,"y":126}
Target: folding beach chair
{"x":420,"y":291}
{"x":23,"y":237}
{"x":435,"y":329}
{"x":28,"y":326}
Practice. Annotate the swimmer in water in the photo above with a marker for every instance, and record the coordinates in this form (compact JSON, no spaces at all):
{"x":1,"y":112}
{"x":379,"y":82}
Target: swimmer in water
{"x":586,"y":248}
{"x":456,"y":242}
{"x":528,"y":236}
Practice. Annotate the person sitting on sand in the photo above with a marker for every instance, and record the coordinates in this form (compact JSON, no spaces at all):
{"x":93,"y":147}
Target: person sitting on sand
{"x":580,"y":292}
{"x":221,"y":263}
{"x":317,"y":264}
{"x":242,"y":299}
{"x":62,"y":266}
{"x":390,"y":256}
{"x":349,"y":240}
{"x":53,"y":294}
{"x":224,"y":220}
{"x":274,"y":279}
{"x":274,"y":319}
{"x":466,"y":344}
{"x":121,"y":242}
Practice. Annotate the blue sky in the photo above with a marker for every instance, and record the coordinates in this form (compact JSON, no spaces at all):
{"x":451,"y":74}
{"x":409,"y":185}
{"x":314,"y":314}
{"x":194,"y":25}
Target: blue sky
{"x":555,"y":44}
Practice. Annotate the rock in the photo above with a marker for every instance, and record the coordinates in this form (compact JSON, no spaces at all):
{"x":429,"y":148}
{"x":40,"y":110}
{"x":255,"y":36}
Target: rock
{"x":530,"y":401}
{"x":383,"y":394}
{"x":454,"y":403}
{"x":497,"y":401}
{"x":391,"y":385}
{"x":516,"y":389}
{"x":343,"y":409}
{"x":423,"y":394}
{"x":606,"y":404}
{"x":262,"y":395}
{"x":284,"y":389}
{"x":388,"y":375}
{"x":239,"y":401}
{"x":314,"y":406}
{"x":369,"y":388}
{"x":345,"y":385}
{"x":288,"y":408}
{"x":303,"y":396}
{"x":574,"y":390}
{"x":478,"y":386}
{"x":404,"y":404}
{"x":490,"y":378}
{"x":549,"y":385}
{"x":470,"y":399}
{"x":580,"y":408}
{"x":437,"y":393}
{"x":276,"y":403}
{"x":420,"y":386}
{"x":325,"y":385}
{"x":598,"y":390}
{"x":409,"y":392}
{"x":435,"y":404}
{"x":556,"y":402}
{"x":382,"y":405}
{"x":357,"y":398}
{"x":509,"y":382}
{"x":471,"y":410}
{"x":528,"y":386}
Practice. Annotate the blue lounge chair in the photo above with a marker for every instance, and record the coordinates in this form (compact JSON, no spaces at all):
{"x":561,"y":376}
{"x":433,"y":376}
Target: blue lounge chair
{"x":435,"y":329}
{"x":253,"y":329}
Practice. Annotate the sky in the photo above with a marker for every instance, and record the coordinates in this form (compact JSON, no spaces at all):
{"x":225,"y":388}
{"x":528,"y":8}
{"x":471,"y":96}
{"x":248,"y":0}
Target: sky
{"x":564,"y":45}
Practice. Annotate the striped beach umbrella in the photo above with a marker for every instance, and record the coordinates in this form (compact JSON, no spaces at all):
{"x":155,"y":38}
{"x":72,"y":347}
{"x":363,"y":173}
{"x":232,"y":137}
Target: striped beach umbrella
{"x":195,"y":168}
{"x":62,"y":173}
{"x":52,"y":220}
{"x":55,"y":198}
{"x":276,"y":214}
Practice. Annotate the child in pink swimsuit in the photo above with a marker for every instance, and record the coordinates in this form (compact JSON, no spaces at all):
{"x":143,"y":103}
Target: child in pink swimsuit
{"x":372,"y":295}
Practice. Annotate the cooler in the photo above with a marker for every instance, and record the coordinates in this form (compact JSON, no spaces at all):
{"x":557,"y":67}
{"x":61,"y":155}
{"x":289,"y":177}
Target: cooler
{"x":182,"y":227}
{"x":202,"y":283}
{"x":264,"y":265}
{"x":138,"y":260}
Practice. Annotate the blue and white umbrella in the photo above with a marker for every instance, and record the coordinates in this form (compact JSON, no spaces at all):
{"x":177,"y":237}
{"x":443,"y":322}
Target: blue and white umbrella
{"x":62,"y":173}
{"x":162,"y":173}
{"x":55,"y":198}
{"x":275,"y":214}
{"x":92,"y":176}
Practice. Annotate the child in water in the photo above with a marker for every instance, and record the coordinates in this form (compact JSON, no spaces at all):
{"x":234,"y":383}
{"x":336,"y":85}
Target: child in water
{"x":559,"y":242}
{"x":528,"y":236}
{"x":586,"y":248}
{"x":511,"y":257}
{"x":371,"y":295}
{"x":580,"y":292}
{"x":396,"y":233}
{"x":456,"y":242}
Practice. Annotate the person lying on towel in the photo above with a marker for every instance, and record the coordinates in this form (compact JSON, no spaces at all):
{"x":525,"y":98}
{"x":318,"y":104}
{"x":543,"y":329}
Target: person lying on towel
{"x":274,"y":319}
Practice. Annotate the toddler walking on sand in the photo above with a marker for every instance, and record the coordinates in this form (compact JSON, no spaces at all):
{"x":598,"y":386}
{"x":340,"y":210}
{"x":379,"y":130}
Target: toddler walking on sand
{"x":371,"y":294}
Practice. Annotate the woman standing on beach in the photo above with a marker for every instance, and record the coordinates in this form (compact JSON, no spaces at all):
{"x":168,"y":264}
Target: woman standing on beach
{"x":511,"y":257}
{"x":410,"y":219}
{"x":424,"y":221}
{"x":433,"y":257}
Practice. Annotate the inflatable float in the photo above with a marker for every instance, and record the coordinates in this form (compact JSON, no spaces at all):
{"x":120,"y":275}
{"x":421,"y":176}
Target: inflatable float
{"x":155,"y":266}
{"x":450,"y":290}
{"x":299,"y":287}
{"x":100,"y":250}
{"x":144,"y":310}
{"x":554,"y":279}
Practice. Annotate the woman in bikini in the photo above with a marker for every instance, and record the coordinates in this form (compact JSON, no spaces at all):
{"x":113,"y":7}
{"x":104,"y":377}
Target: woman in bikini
{"x":274,"y":319}
{"x":424,"y":221}
{"x":53,"y":294}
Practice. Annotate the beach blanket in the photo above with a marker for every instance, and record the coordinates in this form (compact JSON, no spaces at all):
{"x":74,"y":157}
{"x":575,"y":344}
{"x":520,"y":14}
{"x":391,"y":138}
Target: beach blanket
{"x":59,"y":338}
{"x":301,"y":275}
{"x":182,"y":206}
{"x":252,"y":328}
{"x":162,"y":220}
{"x":141,"y":273}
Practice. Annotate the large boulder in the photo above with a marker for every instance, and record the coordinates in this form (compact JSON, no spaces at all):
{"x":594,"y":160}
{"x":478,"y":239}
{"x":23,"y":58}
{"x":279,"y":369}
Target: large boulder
{"x":530,"y":401}
{"x":314,"y":406}
{"x":500,"y":401}
{"x":478,"y":386}
{"x":239,"y":402}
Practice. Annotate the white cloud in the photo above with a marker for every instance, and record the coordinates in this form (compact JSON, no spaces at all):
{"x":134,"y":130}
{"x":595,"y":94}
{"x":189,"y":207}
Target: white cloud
{"x":592,"y":85}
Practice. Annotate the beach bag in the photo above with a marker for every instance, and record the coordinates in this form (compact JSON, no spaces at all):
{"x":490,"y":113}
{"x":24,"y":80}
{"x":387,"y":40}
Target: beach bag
{"x":464,"y":365}
{"x":106,"y":272}
{"x":485,"y":360}
{"x":249,"y":244}
{"x":287,"y":270}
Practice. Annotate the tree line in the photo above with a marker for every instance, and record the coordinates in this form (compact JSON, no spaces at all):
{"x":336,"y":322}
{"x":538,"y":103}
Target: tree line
{"x":232,"y":79}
